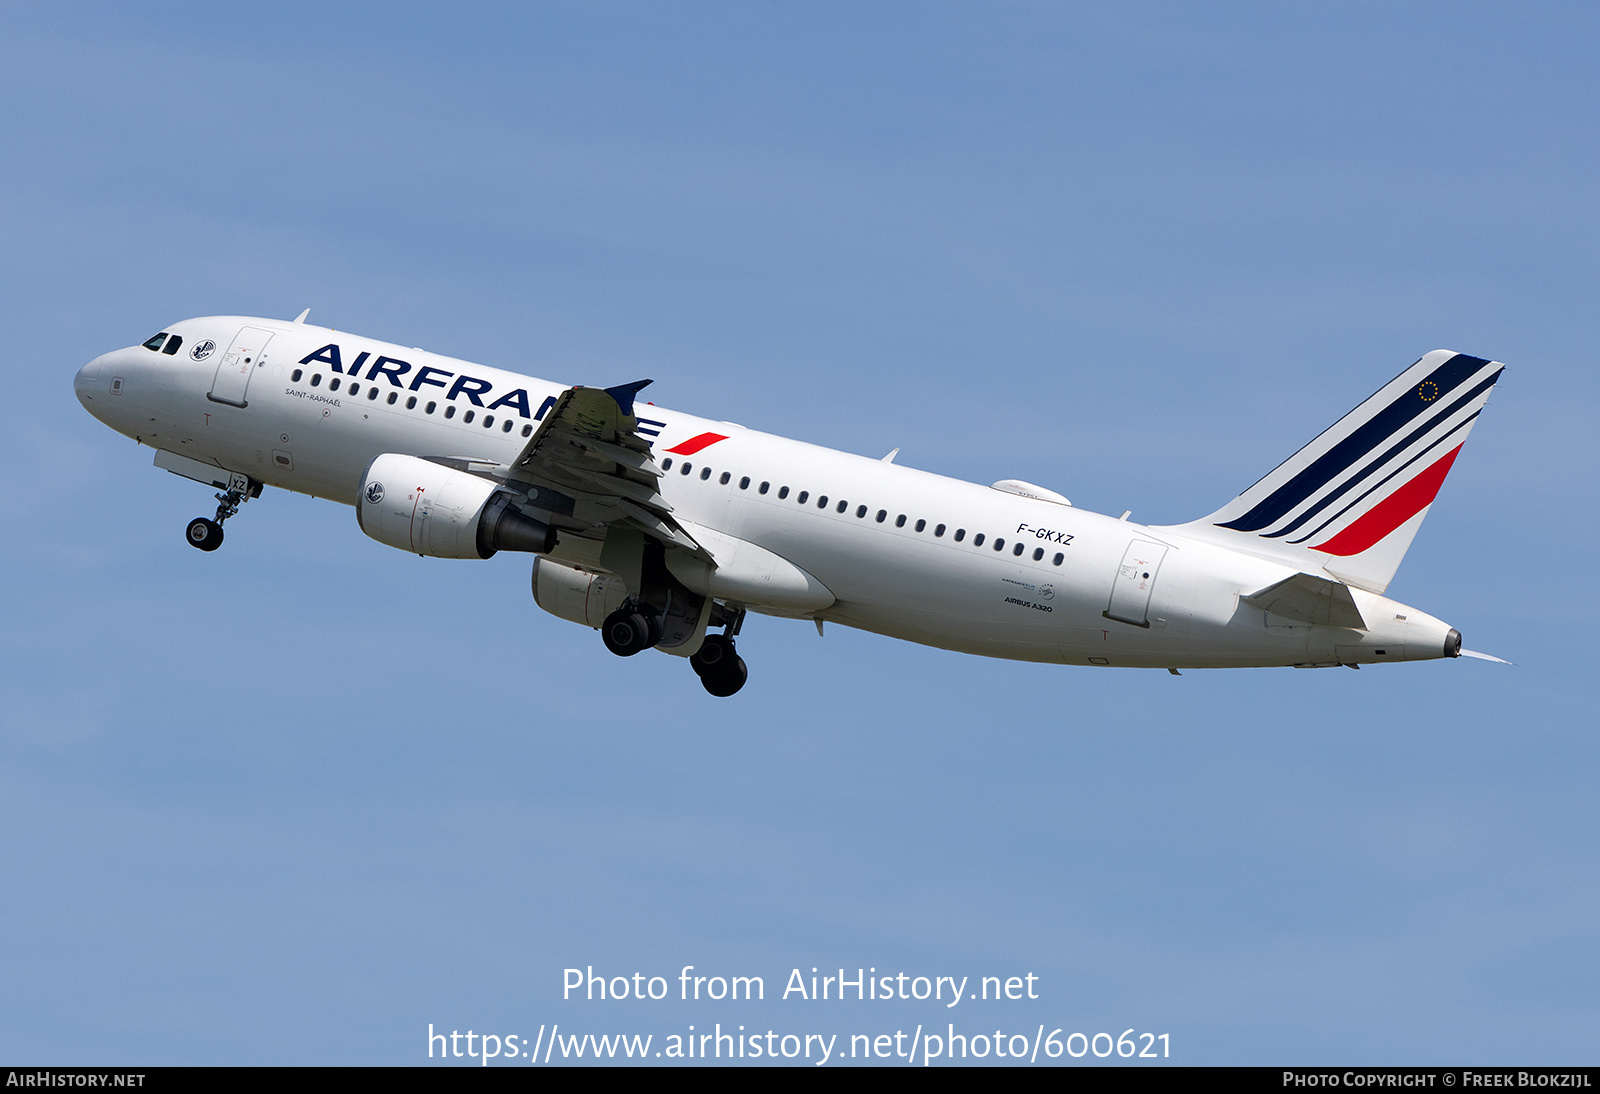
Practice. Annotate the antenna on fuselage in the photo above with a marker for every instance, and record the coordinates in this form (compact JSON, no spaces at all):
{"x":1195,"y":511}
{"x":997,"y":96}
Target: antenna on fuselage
{"x":890,"y":457}
{"x":301,"y":318}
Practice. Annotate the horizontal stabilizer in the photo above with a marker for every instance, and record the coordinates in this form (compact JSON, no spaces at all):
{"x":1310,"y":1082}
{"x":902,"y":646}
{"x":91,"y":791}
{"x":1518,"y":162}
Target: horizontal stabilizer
{"x":1310,"y":599}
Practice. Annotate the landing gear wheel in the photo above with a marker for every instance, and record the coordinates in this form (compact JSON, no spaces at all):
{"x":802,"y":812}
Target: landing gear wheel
{"x":714,"y":656}
{"x":626,"y":632}
{"x":728,"y":681}
{"x":204,"y":534}
{"x":719,"y":666}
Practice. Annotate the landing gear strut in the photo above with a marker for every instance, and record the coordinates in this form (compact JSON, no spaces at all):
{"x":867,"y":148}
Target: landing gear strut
{"x":207,"y":534}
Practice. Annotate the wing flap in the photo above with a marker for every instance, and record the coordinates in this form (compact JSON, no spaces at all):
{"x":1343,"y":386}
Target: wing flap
{"x":589,"y":448}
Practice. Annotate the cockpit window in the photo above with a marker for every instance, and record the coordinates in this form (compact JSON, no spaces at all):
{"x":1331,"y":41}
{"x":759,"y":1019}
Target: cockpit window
{"x":172,"y":344}
{"x":155,"y":343}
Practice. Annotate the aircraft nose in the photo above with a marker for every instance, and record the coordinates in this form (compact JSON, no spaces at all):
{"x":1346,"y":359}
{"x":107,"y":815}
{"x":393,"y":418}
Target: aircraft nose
{"x":88,"y":383}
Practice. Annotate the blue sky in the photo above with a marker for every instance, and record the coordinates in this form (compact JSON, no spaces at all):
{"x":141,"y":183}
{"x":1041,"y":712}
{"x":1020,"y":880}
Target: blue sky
{"x":294,"y":801}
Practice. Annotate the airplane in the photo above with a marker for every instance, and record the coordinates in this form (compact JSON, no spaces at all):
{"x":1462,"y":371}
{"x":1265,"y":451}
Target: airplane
{"x":661,"y":529}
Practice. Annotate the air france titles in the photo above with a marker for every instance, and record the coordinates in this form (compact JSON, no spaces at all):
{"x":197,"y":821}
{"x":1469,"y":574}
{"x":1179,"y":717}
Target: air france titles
{"x":456,"y":386}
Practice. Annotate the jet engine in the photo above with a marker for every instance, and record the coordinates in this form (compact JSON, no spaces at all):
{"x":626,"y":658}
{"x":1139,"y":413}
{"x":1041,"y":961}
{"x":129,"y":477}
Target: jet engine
{"x":429,"y":509}
{"x":575,"y":594}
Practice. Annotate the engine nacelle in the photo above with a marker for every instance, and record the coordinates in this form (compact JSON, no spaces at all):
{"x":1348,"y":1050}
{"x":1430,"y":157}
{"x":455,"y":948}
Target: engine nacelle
{"x":575,"y":595}
{"x":429,"y":509}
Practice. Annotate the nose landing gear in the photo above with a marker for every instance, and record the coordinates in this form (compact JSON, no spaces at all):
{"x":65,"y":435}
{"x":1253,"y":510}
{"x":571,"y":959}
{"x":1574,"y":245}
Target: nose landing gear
{"x":207,"y":534}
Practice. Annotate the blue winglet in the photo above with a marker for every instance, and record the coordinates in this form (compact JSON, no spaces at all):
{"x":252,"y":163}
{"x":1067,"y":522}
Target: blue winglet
{"x":624,"y":393}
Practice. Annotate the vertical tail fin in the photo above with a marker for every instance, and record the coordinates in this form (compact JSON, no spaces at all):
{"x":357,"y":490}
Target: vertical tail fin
{"x":1350,"y":502}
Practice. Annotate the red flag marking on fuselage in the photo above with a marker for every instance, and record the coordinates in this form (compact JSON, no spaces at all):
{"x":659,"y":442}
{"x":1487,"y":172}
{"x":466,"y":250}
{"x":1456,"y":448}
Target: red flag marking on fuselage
{"x":695,"y":444}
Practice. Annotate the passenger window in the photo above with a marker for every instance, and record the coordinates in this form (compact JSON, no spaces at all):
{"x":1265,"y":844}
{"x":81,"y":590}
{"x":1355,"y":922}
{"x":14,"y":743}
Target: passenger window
{"x":155,"y":343}
{"x":449,"y":411}
{"x":430,"y":408}
{"x":411,"y":402}
{"x":527,"y":430}
{"x":686,"y":468}
{"x":977,"y":540}
{"x":843,"y":505}
{"x":333,"y":383}
{"x":921,"y":524}
{"x":861,"y":511}
{"x":294,"y":377}
{"x":1038,"y":553}
{"x":666,"y":464}
{"x":1017,"y":550}
{"x":764,"y":487}
{"x":801,"y":500}
{"x":507,"y":427}
{"x":316,"y":379}
{"x":1057,"y":560}
{"x":783,"y":491}
{"x":822,"y":501}
{"x":938,"y":530}
{"x":467,"y":417}
{"x":372,"y":393}
{"x":883,"y":514}
{"x":999,"y":545}
{"x":900,"y":521}
{"x":355,"y":390}
{"x":744,"y":483}
{"x":172,"y":345}
{"x":725,"y":477}
{"x":705,"y":473}
{"x":488,"y":419}
{"x":961,"y":534}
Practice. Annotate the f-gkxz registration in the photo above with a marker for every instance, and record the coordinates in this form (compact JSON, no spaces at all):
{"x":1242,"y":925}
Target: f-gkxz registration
{"x":655,"y":526}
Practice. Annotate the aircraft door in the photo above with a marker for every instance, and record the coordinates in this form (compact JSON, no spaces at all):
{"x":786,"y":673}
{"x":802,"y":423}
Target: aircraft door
{"x":234,"y":370}
{"x":1136,"y":578}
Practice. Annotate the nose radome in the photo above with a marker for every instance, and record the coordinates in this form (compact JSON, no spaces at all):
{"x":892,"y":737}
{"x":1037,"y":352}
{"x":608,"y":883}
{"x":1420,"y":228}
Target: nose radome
{"x":85,"y":380}
{"x":92,"y":383}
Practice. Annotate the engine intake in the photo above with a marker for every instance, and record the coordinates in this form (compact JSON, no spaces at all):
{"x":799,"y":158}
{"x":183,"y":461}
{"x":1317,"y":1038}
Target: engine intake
{"x":427,"y":509}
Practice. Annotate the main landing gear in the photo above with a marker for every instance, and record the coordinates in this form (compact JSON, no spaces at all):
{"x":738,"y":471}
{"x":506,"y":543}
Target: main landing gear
{"x":629,"y":629}
{"x":720,"y":668}
{"x":635,"y":626}
{"x":207,"y":534}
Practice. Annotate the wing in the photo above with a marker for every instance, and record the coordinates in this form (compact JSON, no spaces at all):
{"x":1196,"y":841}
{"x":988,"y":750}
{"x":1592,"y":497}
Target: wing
{"x":587,"y":468}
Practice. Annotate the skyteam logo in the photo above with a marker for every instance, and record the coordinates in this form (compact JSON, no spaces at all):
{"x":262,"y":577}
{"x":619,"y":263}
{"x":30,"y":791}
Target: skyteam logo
{"x":374,"y":492}
{"x":202,"y":350}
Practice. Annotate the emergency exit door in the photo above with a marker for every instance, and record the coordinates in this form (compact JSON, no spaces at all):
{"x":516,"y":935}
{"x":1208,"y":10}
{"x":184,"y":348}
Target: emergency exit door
{"x":1136,"y":578}
{"x":233,"y":371}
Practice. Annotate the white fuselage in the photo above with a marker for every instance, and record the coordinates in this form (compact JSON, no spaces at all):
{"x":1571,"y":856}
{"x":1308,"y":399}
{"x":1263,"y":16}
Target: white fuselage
{"x":951,"y":564}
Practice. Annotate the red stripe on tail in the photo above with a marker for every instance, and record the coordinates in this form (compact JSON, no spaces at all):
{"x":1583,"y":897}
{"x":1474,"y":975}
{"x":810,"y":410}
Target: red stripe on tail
{"x":695,"y":444}
{"x":1391,"y":512}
